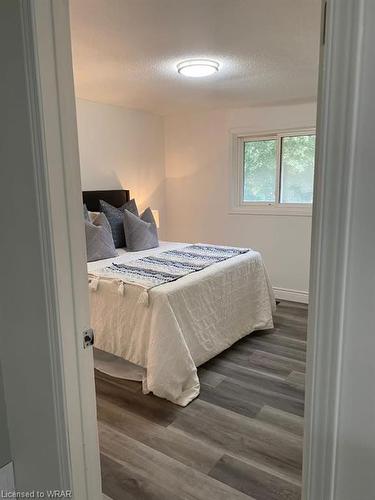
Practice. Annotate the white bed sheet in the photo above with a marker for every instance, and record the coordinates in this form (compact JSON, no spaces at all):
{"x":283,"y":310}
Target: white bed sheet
{"x":186,"y":322}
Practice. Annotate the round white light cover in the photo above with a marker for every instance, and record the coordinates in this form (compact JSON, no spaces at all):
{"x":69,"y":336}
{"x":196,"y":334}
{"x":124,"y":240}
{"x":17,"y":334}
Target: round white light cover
{"x":197,"y":68}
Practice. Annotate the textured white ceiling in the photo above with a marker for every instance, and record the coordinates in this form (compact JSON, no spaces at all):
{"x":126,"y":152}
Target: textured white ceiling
{"x":125,"y":52}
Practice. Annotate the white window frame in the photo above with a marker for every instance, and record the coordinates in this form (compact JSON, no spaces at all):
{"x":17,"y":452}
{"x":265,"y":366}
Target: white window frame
{"x":238,"y":205}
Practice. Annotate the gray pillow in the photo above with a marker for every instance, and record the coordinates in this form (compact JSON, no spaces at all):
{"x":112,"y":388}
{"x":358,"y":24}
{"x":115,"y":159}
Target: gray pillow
{"x":115,"y":219}
{"x":141,"y":232}
{"x":99,"y":240}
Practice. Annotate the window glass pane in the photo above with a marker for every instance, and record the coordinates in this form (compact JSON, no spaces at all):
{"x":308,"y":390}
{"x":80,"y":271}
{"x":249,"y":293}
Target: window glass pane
{"x":259,"y":170}
{"x":297,"y":169}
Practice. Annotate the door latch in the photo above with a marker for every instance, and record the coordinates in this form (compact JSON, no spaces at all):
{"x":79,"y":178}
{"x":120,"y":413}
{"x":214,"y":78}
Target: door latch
{"x":88,"y":338}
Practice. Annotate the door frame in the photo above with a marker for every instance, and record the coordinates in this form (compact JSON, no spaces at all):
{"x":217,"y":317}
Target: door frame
{"x":49,"y":115}
{"x":337,"y":127}
{"x":52,"y":108}
{"x":50,"y":24}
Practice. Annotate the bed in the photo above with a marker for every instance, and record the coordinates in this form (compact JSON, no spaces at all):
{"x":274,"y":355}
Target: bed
{"x":182,"y":324}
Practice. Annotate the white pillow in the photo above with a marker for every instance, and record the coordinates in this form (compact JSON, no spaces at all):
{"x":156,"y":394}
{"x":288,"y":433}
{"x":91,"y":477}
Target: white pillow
{"x":93,"y":216}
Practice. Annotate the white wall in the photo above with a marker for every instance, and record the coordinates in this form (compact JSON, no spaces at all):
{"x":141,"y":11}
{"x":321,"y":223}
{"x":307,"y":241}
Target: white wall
{"x":181,"y":166}
{"x":122,"y":148}
{"x":197,"y":155}
{"x":4,"y":436}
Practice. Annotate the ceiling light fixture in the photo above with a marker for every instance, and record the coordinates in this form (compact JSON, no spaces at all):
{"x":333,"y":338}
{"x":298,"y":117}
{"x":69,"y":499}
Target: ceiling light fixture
{"x":197,"y":68}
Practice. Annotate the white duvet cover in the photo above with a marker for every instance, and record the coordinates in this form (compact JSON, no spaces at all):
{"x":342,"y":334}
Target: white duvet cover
{"x":185,"y":323}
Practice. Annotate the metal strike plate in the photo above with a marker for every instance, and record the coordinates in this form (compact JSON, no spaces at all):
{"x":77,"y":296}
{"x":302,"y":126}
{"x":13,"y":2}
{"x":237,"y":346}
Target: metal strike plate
{"x":88,"y":338}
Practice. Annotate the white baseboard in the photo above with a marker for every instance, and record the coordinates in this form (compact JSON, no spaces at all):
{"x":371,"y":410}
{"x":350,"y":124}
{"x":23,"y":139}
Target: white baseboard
{"x":7,"y":479}
{"x":292,"y":295}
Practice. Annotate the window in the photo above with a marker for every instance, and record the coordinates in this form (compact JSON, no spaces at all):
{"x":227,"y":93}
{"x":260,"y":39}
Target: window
{"x":259,"y":174}
{"x":274,"y":173}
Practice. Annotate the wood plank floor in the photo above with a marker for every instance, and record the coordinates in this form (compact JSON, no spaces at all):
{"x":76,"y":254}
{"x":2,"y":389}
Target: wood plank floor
{"x":241,"y":439}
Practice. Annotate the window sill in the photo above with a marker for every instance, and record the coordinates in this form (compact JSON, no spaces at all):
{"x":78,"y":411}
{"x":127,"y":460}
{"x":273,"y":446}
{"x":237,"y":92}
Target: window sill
{"x":293,"y":211}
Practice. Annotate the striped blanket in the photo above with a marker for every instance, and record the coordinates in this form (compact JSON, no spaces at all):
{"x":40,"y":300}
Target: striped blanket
{"x":154,"y":270}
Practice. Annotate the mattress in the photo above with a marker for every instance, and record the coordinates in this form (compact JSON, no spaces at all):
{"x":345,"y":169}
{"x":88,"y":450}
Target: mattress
{"x":184,"y":323}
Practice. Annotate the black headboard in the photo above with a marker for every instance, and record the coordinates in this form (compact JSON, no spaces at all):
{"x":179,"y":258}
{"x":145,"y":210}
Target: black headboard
{"x":116,"y":197}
